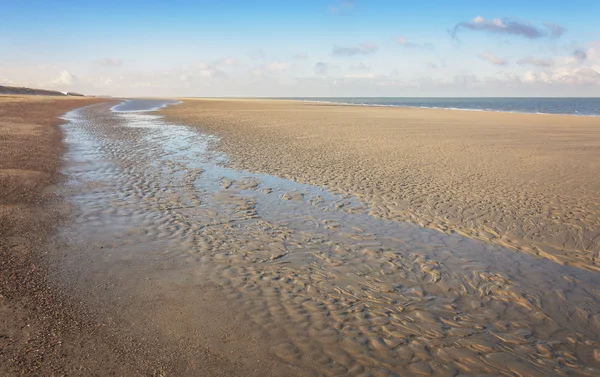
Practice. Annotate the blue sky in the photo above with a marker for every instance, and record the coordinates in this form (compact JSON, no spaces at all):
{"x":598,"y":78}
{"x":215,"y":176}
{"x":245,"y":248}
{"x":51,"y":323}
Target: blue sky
{"x":303,"y":48}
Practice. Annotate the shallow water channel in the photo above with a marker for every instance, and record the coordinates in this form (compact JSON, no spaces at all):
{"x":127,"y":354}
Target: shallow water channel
{"x":334,"y":290}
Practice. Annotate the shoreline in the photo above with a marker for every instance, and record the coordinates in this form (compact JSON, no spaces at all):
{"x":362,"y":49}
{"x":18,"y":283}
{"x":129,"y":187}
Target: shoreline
{"x":368,"y":105}
{"x":442,"y":108}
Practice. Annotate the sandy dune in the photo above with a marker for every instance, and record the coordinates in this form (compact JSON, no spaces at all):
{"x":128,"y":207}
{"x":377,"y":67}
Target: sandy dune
{"x":12,"y":90}
{"x":529,"y":182}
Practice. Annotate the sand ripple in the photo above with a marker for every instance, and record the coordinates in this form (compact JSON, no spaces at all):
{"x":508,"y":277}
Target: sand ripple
{"x":524,"y":181}
{"x":344,"y":292}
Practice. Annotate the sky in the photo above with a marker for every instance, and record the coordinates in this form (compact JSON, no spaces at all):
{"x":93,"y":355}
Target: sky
{"x":309,"y":48}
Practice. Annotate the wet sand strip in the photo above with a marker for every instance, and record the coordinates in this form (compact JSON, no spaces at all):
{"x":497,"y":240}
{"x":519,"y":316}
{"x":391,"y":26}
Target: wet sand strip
{"x":525,"y":181}
{"x":43,"y":329}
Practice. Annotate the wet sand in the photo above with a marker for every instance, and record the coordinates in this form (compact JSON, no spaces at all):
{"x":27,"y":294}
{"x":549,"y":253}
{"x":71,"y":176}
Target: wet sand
{"x":44,"y":329}
{"x":283,"y":278}
{"x":525,"y":181}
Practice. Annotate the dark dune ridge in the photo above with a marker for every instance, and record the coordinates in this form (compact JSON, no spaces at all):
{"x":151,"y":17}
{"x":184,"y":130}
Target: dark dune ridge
{"x":34,"y":92}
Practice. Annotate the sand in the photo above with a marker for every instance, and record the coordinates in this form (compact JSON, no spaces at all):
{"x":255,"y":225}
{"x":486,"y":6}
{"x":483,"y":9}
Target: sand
{"x":166,"y":263}
{"x":526,"y":181}
{"x":281,"y":278}
{"x":44,"y":329}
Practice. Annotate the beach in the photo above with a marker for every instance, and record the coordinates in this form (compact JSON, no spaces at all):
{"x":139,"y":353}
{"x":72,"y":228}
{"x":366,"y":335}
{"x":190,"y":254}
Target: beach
{"x":525,"y":181}
{"x":282,"y":238}
{"x":300,"y":189}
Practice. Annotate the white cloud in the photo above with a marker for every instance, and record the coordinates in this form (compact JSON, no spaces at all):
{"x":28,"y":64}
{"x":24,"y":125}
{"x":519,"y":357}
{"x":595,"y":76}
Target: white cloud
{"x":276,"y":66}
{"x":582,"y":68}
{"x":496,"y":60}
{"x":582,"y":76}
{"x":207,"y":70}
{"x":65,"y":79}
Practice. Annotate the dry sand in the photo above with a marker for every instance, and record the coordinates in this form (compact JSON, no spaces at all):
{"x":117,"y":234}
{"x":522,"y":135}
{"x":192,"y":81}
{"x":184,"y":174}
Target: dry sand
{"x":529,"y":182}
{"x":34,"y":318}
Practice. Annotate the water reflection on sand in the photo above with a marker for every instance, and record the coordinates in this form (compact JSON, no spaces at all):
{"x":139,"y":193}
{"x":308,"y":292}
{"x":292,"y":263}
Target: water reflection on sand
{"x":350,"y":294}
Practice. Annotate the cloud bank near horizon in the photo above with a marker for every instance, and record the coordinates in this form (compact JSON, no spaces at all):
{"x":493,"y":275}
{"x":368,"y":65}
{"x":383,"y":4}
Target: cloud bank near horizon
{"x":577,"y":73}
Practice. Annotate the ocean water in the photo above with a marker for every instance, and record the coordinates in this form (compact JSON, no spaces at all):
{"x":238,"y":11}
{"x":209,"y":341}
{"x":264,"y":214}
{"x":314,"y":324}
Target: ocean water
{"x":569,"y":106}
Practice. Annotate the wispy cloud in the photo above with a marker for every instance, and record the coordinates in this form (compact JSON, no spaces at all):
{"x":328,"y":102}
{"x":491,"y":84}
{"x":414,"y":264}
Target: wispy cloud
{"x":433,"y":65}
{"x":301,"y":56}
{"x":110,"y":62}
{"x":363,"y":49}
{"x":405,"y":43}
{"x":555,"y":30}
{"x":508,"y":27}
{"x":530,"y":60}
{"x":360,"y":67}
{"x":496,"y":60}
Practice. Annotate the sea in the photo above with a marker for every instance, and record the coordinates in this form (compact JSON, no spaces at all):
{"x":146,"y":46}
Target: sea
{"x":583,"y":106}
